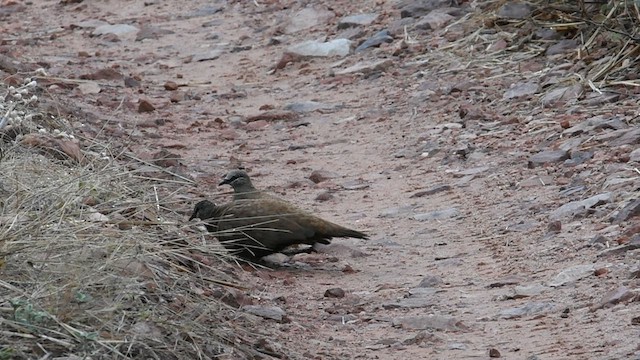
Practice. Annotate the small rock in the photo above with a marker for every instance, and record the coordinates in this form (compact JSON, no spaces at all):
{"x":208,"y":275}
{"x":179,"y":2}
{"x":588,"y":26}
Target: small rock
{"x":634,"y":156}
{"x":131,"y":82}
{"x":337,"y":47}
{"x":437,"y":215}
{"x":357,"y":20}
{"x":614,"y":297}
{"x":523,"y":291}
{"x":435,"y":322}
{"x":494,"y":353}
{"x":632,"y":209}
{"x":562,"y":46}
{"x":355,"y":185}
{"x":117,"y":29}
{"x":318,"y":176}
{"x":580,"y":207}
{"x":145,"y":105}
{"x":422,"y":7}
{"x":572,"y":274}
{"x":629,"y":137}
{"x":334,"y":293}
{"x":89,"y":87}
{"x":509,"y":280}
{"x":324,"y":196}
{"x":526,"y":310}
{"x":521,"y":89}
{"x":433,"y":190}
{"x":515,"y":10}
{"x":170,"y":85}
{"x":267,"y":312}
{"x":366,"y":68}
{"x":434,"y":20}
{"x":562,"y":95}
{"x":377,"y":39}
{"x":208,"y":55}
{"x":554,"y":227}
{"x":310,"y":106}
{"x":546,"y":157}
{"x":430,"y":281}
{"x":396,"y":211}
{"x":98,"y":217}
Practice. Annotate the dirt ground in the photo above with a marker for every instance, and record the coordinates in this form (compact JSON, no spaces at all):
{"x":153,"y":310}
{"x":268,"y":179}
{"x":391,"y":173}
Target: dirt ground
{"x":423,"y":152}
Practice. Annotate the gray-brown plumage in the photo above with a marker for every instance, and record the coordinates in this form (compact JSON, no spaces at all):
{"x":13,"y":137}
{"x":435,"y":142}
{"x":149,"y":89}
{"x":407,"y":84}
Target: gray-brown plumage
{"x":259,"y":227}
{"x":243,"y":189}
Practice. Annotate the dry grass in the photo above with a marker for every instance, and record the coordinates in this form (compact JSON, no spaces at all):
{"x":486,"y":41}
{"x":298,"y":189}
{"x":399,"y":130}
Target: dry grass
{"x":96,"y":263}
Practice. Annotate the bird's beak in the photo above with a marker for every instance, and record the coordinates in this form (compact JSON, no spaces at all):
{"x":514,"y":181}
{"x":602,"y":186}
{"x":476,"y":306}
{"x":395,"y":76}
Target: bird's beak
{"x":224,"y":181}
{"x":193,"y":216}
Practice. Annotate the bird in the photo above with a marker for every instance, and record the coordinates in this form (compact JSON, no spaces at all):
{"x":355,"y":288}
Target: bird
{"x":243,"y":188}
{"x":256,"y":228}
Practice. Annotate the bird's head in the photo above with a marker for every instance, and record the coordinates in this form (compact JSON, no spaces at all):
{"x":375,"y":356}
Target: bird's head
{"x":203,"y":210}
{"x":238,"y":179}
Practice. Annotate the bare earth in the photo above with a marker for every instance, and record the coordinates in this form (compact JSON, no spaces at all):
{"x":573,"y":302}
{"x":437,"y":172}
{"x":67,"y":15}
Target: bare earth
{"x":432,"y":118}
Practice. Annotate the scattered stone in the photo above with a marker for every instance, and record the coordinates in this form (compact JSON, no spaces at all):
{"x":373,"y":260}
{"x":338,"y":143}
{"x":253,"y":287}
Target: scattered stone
{"x":267,"y":312}
{"x":546,"y":157}
{"x":535,"y":181}
{"x":430,"y":281}
{"x":377,"y":39}
{"x":310,"y":106}
{"x":437,"y":215}
{"x":521,"y":89}
{"x":472,"y":171}
{"x":630,"y":137}
{"x":318,"y":176}
{"x":562,"y":95}
{"x":434,"y":190}
{"x":580,"y":207}
{"x":434,"y":322}
{"x":98,"y":217}
{"x":117,"y":29}
{"x":572,"y":274}
{"x":208,"y":55}
{"x":422,"y":337}
{"x":515,"y":10}
{"x":578,"y":157}
{"x":272,"y":116}
{"x":523,"y":291}
{"x":337,"y":47}
{"x":532,"y":308}
{"x":593,"y":123}
{"x":355,"y":185}
{"x":306,"y":19}
{"x":366,"y":68}
{"x":632,"y":209}
{"x":103,"y":74}
{"x":324,"y":196}
{"x":418,"y":298}
{"x":422,"y":7}
{"x":633,"y":244}
{"x":494,"y":353}
{"x":396,"y":211}
{"x":357,"y":20}
{"x":145,"y":105}
{"x":614,"y":297}
{"x":509,"y":280}
{"x":562,"y":46}
{"x":152,"y":32}
{"x":89,"y":87}
{"x":554,"y":227}
{"x":334,"y":293}
{"x":171,"y":86}
{"x":434,"y":20}
{"x":131,"y":82}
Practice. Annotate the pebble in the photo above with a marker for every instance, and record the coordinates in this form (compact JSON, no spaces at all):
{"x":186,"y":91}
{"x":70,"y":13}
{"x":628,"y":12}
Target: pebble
{"x":357,"y":20}
{"x":268,"y":312}
{"x":438,"y":214}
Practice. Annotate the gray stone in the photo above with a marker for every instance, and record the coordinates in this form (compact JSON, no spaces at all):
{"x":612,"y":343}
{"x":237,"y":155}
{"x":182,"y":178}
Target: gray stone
{"x":580,"y":207}
{"x":630,"y":210}
{"x":572,"y":274}
{"x":310,"y":106}
{"x":434,"y":190}
{"x":117,"y":29}
{"x":357,"y":20}
{"x":515,"y":10}
{"x":422,"y":7}
{"x":561,"y":47}
{"x":521,"y":89}
{"x":630,"y":137}
{"x":430,"y":281}
{"x":306,"y":19}
{"x":546,"y":157}
{"x":634,"y":156}
{"x":437,"y":214}
{"x":522,"y":291}
{"x":208,"y":55}
{"x":366,"y":68}
{"x":267,"y":312}
{"x":434,"y":20}
{"x":337,"y":47}
{"x":562,"y":95}
{"x":396,"y":211}
{"x":617,"y":296}
{"x":434,"y":322}
{"x":633,"y":244}
{"x":532,"y":308}
{"x":377,"y":39}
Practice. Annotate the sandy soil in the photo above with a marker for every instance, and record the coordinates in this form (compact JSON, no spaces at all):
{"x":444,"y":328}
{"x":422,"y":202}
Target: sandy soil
{"x":433,"y":119}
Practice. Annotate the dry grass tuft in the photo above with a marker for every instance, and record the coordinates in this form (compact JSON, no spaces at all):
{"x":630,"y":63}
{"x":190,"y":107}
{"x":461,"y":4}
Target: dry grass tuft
{"x":96,"y":263}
